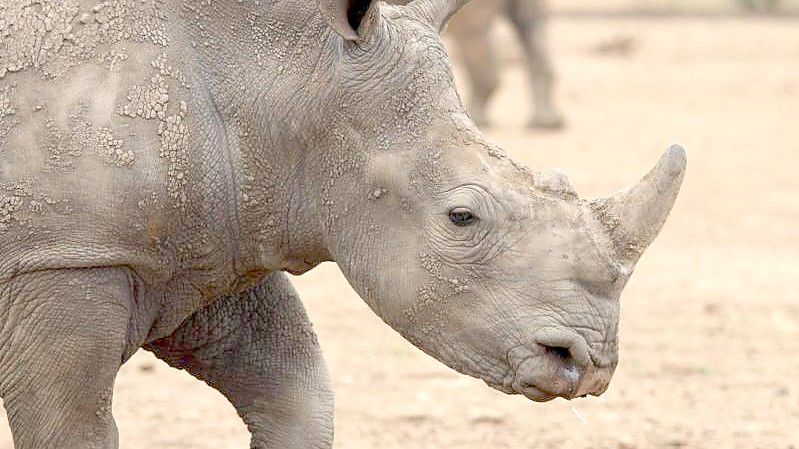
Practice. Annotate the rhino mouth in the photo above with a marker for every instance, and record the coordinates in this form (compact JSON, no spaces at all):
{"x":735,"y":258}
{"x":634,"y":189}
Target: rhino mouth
{"x":535,"y":393}
{"x":530,"y":391}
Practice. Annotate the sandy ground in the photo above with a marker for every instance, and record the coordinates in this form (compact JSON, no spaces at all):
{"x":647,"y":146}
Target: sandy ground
{"x":710,"y":320}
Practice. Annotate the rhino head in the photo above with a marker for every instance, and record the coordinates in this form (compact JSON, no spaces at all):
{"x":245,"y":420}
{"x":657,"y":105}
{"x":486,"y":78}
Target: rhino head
{"x":499,"y":272}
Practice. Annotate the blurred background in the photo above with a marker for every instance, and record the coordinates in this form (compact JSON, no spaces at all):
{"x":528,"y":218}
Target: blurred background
{"x":709,"y":352}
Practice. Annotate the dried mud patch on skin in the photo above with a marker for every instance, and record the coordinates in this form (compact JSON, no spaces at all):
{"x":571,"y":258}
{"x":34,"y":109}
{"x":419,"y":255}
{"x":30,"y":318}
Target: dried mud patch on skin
{"x":148,"y":101}
{"x":20,"y":203}
{"x":8,"y":208}
{"x":113,"y":150}
{"x":65,"y":144}
{"x":440,"y":288}
{"x":33,"y":32}
{"x":174,"y":148}
{"x":52,"y":42}
{"x":6,"y":107}
{"x":8,"y":112}
{"x":151,"y":101}
{"x":51,"y":37}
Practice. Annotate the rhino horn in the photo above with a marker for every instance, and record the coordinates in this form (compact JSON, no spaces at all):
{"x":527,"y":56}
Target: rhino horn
{"x":436,"y":12}
{"x":345,"y":16}
{"x":636,"y":214}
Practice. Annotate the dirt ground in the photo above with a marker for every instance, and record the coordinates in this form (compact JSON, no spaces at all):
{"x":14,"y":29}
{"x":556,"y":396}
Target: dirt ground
{"x":709,"y":354}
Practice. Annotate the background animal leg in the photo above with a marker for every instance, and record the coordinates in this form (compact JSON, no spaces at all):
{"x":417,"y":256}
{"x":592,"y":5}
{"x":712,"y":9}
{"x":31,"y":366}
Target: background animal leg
{"x":471,"y":31}
{"x":529,"y":19}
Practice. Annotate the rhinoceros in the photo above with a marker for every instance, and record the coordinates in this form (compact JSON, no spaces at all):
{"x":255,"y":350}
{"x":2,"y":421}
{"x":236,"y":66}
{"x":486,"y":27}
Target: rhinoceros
{"x":471,"y":31}
{"x":163,"y":163}
{"x":769,"y":6}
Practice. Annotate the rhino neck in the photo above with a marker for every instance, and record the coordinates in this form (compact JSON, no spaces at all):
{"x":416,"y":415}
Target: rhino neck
{"x":267,"y":67}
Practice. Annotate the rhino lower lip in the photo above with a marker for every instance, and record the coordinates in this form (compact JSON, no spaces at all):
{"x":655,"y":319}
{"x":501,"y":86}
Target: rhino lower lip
{"x":501,"y":387}
{"x":536,"y":394}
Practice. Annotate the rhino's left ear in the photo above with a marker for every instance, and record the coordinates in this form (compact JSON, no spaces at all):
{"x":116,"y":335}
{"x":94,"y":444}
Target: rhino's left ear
{"x":352,"y":19}
{"x":436,"y":12}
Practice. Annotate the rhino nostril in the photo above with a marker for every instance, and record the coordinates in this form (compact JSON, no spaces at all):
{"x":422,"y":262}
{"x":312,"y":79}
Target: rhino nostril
{"x":559,"y":351}
{"x":566,"y":347}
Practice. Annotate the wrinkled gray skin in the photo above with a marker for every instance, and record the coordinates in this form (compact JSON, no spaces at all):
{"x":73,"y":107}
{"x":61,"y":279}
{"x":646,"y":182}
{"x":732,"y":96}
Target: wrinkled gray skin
{"x":471,"y":31}
{"x":162,"y":162}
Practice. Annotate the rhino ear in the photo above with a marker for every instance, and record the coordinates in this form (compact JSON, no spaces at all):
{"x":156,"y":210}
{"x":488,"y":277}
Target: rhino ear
{"x":436,"y":12}
{"x":636,"y":214}
{"x":352,"y":19}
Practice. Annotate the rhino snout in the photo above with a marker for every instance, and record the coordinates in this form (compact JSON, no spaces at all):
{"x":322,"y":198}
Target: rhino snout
{"x":560,"y":365}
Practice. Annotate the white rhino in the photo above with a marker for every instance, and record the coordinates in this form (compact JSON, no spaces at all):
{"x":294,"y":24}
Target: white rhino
{"x":471,"y":33}
{"x":162,"y":162}
{"x":760,"y":5}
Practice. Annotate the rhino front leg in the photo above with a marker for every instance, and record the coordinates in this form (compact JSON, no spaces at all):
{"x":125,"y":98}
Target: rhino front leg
{"x":529,"y":19}
{"x":258,"y":348}
{"x":63,"y":336}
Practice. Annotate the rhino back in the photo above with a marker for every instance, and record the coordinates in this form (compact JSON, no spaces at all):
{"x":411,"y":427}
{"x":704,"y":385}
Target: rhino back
{"x":104,"y":139}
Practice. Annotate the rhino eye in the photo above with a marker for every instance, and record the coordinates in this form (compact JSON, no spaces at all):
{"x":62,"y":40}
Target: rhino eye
{"x":461,"y":216}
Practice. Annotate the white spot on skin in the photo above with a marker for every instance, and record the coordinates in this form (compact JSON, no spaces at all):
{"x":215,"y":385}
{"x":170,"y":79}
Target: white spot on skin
{"x":6,"y":108}
{"x":112,"y":149}
{"x":8,"y":207}
{"x":377,"y":193}
{"x":42,"y":35}
{"x":572,"y":374}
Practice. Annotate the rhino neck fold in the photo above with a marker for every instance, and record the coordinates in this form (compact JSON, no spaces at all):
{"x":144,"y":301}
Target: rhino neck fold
{"x":268,"y":82}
